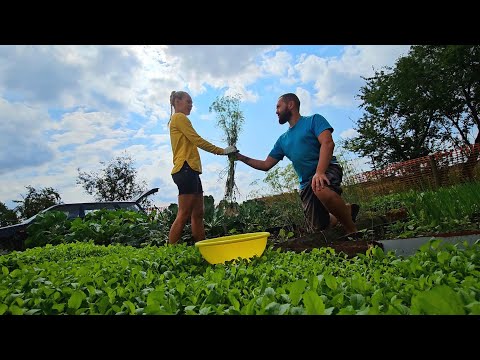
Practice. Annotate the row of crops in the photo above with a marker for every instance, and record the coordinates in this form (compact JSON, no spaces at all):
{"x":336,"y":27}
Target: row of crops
{"x":117,"y":262}
{"x":83,"y":278}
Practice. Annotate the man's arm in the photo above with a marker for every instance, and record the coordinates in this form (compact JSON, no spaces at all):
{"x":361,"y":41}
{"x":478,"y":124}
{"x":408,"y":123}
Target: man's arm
{"x":264,"y":165}
{"x":326,"y":152}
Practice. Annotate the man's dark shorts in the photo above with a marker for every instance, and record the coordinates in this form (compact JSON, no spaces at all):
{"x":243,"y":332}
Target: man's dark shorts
{"x":188,"y":180}
{"x":316,"y":214}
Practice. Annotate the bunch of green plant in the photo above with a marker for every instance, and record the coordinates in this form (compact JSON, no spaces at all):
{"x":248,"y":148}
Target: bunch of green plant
{"x":164,"y":219}
{"x":254,"y":215}
{"x":281,"y":199}
{"x":288,"y":212}
{"x":230,"y":119}
{"x":103,"y":227}
{"x":382,"y":204}
{"x":214,"y":218}
{"x":413,"y":228}
{"x":446,"y":209}
{"x":84,"y":278}
{"x":48,"y":228}
{"x":285,"y":235}
{"x":109,"y":227}
{"x":456,"y":202}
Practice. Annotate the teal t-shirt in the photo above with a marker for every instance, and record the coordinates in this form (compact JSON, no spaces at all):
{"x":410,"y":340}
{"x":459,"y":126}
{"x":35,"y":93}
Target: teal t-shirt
{"x":300,"y":145}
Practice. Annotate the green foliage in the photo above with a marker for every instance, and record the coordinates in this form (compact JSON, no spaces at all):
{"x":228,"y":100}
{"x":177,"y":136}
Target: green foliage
{"x":110,"y":227}
{"x":428,"y":102}
{"x":215,"y":219}
{"x":116,"y":181}
{"x":442,"y":210}
{"x":230,"y":119}
{"x":48,"y":228}
{"x":164,"y":218}
{"x":88,"y":279}
{"x":103,"y":227}
{"x":36,"y":201}
{"x":7,"y":216}
{"x":282,"y":179}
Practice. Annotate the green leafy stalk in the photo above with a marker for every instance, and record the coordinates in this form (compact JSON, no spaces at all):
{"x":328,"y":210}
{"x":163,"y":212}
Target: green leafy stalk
{"x":230,"y":119}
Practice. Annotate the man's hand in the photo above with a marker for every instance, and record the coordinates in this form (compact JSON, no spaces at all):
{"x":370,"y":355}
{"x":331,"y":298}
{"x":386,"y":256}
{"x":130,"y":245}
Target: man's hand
{"x":230,"y":150}
{"x":319,"y":180}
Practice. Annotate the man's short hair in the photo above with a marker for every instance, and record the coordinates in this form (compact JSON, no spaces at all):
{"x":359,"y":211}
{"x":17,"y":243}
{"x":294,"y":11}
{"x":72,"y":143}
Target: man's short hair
{"x":291,"y":97}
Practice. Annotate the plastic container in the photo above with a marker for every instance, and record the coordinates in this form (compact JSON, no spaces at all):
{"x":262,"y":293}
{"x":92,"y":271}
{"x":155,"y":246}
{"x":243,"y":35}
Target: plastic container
{"x":227,"y":248}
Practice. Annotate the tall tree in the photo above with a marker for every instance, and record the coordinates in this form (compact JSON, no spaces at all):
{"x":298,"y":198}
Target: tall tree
{"x":36,"y":201}
{"x":230,"y":119}
{"x":428,"y":102}
{"x":116,"y":181}
{"x":7,"y":216}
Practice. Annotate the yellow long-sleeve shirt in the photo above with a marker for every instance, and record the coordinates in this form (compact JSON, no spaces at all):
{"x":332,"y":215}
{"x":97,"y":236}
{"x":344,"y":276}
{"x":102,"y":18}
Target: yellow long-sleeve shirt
{"x":185,"y":143}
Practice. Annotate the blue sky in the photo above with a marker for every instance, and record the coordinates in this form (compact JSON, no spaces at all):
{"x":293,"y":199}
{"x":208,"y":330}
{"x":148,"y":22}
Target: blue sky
{"x":69,"y":107}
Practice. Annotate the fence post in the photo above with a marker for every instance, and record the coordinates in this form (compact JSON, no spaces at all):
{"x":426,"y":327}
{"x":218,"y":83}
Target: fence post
{"x":435,"y":174}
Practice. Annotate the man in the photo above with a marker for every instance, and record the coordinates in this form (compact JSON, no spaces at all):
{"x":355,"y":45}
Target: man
{"x":308,"y":143}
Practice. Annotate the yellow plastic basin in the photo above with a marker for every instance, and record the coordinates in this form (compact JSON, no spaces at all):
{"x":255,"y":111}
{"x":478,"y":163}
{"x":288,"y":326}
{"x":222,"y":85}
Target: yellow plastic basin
{"x":227,"y":248}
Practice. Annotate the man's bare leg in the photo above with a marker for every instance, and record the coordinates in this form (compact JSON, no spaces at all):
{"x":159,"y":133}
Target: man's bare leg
{"x":337,"y":206}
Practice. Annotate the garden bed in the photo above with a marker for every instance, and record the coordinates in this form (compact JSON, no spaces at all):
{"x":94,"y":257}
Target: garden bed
{"x":349,"y":247}
{"x":373,"y":236}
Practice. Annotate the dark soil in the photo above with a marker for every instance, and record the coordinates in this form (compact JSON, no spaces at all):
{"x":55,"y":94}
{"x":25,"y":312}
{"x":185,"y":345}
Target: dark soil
{"x":307,"y":243}
{"x":335,"y":238}
{"x":371,"y":231}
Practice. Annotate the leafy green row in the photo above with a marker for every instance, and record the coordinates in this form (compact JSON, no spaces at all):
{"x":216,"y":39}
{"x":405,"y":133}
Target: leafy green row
{"x":83,"y":278}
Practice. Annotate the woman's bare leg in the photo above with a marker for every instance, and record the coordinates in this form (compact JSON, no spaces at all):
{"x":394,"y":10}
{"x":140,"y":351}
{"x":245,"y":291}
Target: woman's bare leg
{"x":185,"y":207}
{"x":198,"y":228}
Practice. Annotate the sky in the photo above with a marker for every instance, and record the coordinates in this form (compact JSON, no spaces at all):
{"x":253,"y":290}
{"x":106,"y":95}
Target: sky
{"x":64,"y":108}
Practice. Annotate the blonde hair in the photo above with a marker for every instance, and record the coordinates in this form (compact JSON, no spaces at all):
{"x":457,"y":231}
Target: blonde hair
{"x":175,"y":95}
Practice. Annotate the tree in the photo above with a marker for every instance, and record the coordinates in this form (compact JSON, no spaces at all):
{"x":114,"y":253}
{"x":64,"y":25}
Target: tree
{"x":36,"y":201}
{"x":428,"y":102}
{"x":230,"y":119}
{"x":7,"y":216}
{"x":116,"y":181}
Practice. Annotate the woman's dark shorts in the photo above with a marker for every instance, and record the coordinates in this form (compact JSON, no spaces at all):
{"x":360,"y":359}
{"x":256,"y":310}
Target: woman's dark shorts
{"x":316,"y":214}
{"x":188,"y":180}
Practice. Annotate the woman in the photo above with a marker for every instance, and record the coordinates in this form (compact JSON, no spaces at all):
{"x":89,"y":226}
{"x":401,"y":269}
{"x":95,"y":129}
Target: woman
{"x":187,"y":167}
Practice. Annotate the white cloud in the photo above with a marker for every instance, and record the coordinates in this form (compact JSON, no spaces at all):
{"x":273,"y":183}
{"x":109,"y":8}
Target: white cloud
{"x":338,"y":80}
{"x":349,"y":133}
{"x":278,"y":65}
{"x":80,"y":127}
{"x":305,"y":101}
{"x":23,"y":138}
{"x":69,"y":107}
{"x":207,"y":117}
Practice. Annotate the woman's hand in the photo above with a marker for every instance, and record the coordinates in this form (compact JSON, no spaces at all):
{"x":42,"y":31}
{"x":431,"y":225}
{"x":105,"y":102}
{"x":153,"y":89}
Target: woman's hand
{"x":230,"y":150}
